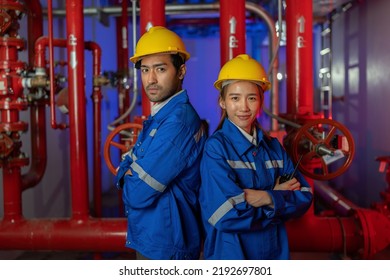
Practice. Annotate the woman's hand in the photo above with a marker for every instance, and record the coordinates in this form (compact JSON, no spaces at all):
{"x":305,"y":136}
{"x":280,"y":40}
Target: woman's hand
{"x":291,"y":185}
{"x":258,"y":198}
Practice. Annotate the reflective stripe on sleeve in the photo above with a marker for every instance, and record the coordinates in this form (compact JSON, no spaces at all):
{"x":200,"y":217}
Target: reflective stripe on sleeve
{"x":238,"y":164}
{"x":130,"y":154}
{"x":152,"y":132}
{"x":305,"y":189}
{"x":273,"y":164}
{"x":226,"y":207}
{"x":149,"y":180}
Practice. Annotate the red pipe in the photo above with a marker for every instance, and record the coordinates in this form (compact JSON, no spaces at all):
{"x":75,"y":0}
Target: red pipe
{"x":12,"y":102}
{"x":40,"y":47}
{"x":38,"y":145}
{"x":350,"y":234}
{"x":95,"y":235}
{"x":54,"y":123}
{"x":9,"y":53}
{"x":12,"y":194}
{"x":334,"y":200}
{"x":77,"y":104}
{"x":123,"y":58}
{"x":122,"y":35}
{"x":37,"y":108}
{"x":232,"y":26}
{"x":356,"y":235}
{"x":97,"y":124}
{"x":363,"y":234}
{"x":324,"y":234}
{"x":35,"y":26}
{"x":152,"y":13}
{"x":299,"y":57}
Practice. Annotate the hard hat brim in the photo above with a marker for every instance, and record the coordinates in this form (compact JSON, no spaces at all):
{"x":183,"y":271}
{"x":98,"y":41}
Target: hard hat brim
{"x":136,"y":58}
{"x":265,"y":85}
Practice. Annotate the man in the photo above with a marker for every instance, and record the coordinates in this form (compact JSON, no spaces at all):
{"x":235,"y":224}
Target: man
{"x":160,"y":175}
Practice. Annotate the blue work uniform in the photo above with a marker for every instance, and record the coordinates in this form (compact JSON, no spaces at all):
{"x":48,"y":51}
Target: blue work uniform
{"x":161,"y":195}
{"x":233,"y":228}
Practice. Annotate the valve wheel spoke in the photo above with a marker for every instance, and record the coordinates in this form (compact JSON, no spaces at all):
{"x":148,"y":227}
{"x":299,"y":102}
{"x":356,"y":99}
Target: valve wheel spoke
{"x":129,"y":142}
{"x":314,"y":164}
{"x":120,"y":146}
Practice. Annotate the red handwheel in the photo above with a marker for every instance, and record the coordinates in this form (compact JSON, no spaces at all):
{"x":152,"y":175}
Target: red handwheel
{"x":129,"y":132}
{"x":327,"y":148}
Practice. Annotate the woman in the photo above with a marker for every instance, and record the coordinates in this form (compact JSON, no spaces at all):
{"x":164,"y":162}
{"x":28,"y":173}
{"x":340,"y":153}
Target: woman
{"x":244,"y":206}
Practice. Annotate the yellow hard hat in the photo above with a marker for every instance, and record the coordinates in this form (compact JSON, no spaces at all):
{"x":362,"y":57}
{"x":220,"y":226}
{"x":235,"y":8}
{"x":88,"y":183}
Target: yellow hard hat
{"x":243,"y":67}
{"x":159,"y":39}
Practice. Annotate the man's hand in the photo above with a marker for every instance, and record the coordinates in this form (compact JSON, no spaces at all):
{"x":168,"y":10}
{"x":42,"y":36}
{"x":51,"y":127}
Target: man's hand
{"x":128,"y":172}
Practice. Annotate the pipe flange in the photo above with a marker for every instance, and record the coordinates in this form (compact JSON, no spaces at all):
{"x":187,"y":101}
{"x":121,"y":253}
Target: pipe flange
{"x":15,"y":162}
{"x":375,"y":240}
{"x":20,"y":104}
{"x":10,"y":11}
{"x":13,"y":127}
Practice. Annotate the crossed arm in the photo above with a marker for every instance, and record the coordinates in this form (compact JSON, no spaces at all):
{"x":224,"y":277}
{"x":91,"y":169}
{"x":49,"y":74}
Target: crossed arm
{"x":259,"y":198}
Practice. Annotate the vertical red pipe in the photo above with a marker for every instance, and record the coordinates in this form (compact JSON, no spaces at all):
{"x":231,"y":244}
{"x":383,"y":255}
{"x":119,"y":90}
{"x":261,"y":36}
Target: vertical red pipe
{"x":12,"y":102}
{"x":77,"y":104}
{"x":54,"y":123}
{"x":232,"y":26}
{"x":97,"y":124}
{"x":37,"y":109}
{"x":123,"y":57}
{"x":38,"y":145}
{"x":299,"y":47}
{"x":122,"y":34}
{"x":35,"y":26}
{"x":12,"y":194}
{"x":40,"y":46}
{"x":152,"y":13}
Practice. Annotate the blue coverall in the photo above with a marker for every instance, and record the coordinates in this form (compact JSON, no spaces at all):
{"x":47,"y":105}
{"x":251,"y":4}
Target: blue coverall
{"x":234,"y":229}
{"x":161,"y":196}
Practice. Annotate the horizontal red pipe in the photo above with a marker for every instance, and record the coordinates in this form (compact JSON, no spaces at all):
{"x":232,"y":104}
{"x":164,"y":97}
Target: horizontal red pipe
{"x":96,"y":235}
{"x":324,"y":234}
{"x":361,"y":234}
{"x":40,"y":48}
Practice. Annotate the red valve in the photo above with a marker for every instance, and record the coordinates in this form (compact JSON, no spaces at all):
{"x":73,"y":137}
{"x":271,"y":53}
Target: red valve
{"x":130,"y":131}
{"x":327,"y":148}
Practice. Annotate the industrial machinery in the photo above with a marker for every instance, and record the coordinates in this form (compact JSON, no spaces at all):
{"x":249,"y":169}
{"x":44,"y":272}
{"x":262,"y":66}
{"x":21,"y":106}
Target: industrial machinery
{"x":325,"y":145}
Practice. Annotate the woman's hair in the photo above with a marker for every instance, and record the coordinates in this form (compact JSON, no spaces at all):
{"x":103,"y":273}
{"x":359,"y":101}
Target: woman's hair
{"x":222,"y":96}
